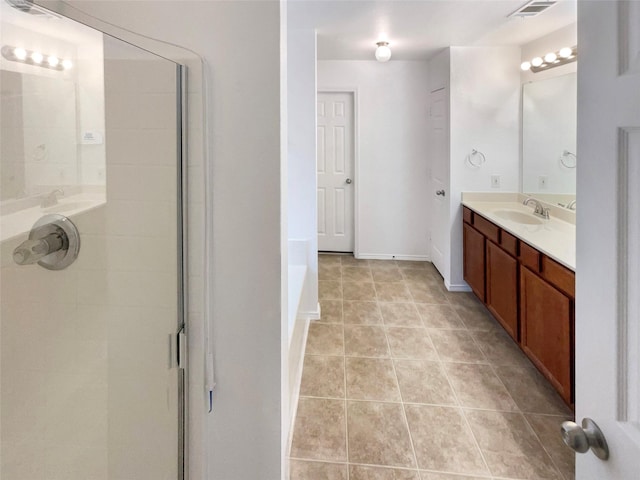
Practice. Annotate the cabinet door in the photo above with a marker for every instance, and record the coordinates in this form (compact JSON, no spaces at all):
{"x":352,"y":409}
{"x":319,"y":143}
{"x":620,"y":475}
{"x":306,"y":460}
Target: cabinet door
{"x":474,"y":260}
{"x":502,"y":288}
{"x":545,"y":319}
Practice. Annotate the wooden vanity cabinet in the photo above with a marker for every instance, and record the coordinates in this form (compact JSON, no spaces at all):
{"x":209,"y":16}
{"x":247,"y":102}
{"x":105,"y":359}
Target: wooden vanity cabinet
{"x":502,"y":288}
{"x":529,"y":294}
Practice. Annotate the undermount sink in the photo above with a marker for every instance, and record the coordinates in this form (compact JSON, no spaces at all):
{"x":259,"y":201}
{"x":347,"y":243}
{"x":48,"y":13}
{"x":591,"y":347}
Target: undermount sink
{"x":518,"y":217}
{"x":68,"y":206}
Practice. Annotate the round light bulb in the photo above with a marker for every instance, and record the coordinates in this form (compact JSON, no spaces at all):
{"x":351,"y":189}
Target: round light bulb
{"x":67,"y":64}
{"x":53,"y":61}
{"x":20,"y":53}
{"x":524,"y":66}
{"x":37,"y":57}
{"x":383,"y":52}
{"x":536,"y":62}
{"x":566,"y":52}
{"x":550,"y":57}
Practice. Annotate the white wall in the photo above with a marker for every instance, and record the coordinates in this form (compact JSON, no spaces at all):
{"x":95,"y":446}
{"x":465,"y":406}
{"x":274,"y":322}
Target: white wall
{"x":565,"y":37}
{"x":301,"y":185}
{"x":392,"y":153}
{"x":244,"y":430}
{"x":485,"y":115}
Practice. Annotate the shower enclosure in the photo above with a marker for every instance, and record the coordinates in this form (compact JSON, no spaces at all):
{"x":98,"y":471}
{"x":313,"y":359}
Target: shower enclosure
{"x":92,"y":349}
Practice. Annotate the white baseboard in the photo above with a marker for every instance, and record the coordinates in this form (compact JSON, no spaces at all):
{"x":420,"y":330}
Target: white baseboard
{"x":463,"y":287}
{"x":296,"y":362}
{"x":384,"y":256}
{"x":311,"y":314}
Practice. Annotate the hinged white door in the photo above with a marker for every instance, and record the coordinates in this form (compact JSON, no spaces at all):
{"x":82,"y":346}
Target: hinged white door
{"x":608,"y":235}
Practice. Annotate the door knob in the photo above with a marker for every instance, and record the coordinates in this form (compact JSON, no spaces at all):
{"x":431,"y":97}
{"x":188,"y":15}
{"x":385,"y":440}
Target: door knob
{"x":585,"y":437}
{"x":54,"y":243}
{"x":440,"y":193}
{"x":348,"y":181}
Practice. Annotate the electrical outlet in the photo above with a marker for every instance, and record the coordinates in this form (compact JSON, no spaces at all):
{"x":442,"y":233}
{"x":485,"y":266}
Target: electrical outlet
{"x":542,"y":182}
{"x":495,"y":181}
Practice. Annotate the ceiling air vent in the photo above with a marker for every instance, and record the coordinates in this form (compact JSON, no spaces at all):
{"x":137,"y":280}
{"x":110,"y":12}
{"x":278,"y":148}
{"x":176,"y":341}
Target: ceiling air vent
{"x":533,"y":8}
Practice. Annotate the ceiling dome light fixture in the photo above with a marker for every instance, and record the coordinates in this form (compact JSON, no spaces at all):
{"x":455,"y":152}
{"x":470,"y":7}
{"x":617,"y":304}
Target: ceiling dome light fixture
{"x":383,"y":52}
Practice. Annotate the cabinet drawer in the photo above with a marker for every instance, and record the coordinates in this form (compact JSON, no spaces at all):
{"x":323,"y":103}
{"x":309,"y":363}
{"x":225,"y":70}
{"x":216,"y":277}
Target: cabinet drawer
{"x":487,"y":228}
{"x":558,"y":275}
{"x":467,"y":215}
{"x":530,"y":257}
{"x":509,"y":243}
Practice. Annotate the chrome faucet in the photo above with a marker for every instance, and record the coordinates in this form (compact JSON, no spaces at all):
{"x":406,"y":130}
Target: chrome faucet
{"x":51,"y":198}
{"x":539,"y":209}
{"x":571,"y":205}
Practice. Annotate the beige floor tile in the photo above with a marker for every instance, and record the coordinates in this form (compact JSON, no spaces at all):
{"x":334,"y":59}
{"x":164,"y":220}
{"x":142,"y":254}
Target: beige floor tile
{"x":362,"y":291}
{"x":500,"y":349}
{"x":371,"y":379}
{"x":361,"y":472}
{"x":387,"y":275}
{"x":547,"y":428}
{"x":365,"y":341}
{"x":463,"y":298}
{"x":413,"y":264}
{"x":331,"y":311}
{"x":325,"y":339}
{"x":419,"y":275}
{"x":361,"y":313}
{"x":379,"y":264}
{"x":456,"y":346}
{"x":531,"y":391}
{"x":400,"y":314}
{"x":443,"y":441}
{"x":330,"y":259}
{"x":447,"y":476}
{"x":393,"y":292}
{"x":476,"y":317}
{"x":509,"y":446}
{"x":350,"y":261}
{"x":427,"y":293}
{"x":356,"y":274}
{"x":411,"y":343}
{"x":320,"y":430}
{"x":423,"y":381}
{"x":370,"y":426}
{"x":439,"y":316}
{"x":305,"y":470}
{"x":323,"y":376}
{"x":329,"y":272}
{"x":477,"y":386}
{"x":329,"y":290}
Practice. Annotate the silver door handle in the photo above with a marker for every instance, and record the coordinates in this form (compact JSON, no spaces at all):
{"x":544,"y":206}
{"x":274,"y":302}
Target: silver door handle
{"x":440,"y":193}
{"x":348,"y":181}
{"x":585,"y":437}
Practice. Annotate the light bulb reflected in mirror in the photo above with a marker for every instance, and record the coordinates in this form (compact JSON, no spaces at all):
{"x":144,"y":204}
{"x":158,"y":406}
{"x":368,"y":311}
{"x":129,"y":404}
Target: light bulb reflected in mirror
{"x":53,"y":61}
{"x":565,"y":52}
{"x":550,"y":57}
{"x":37,"y":57}
{"x":20,"y":53}
{"x":67,"y":64}
{"x":536,"y":62}
{"x":524,"y":66}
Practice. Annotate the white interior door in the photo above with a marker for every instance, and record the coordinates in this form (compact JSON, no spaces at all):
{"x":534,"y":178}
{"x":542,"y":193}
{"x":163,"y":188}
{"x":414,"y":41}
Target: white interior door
{"x":608,"y":232}
{"x":439,"y":129}
{"x":335,"y":172}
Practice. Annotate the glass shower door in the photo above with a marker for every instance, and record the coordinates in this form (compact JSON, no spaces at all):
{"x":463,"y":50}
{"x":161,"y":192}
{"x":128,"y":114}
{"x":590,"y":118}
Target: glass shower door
{"x":90,"y":385}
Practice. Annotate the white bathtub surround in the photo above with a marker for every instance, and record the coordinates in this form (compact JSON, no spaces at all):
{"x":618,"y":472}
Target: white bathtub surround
{"x":555,"y":237}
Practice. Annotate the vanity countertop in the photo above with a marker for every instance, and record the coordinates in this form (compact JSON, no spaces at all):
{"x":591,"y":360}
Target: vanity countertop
{"x":555,"y":237}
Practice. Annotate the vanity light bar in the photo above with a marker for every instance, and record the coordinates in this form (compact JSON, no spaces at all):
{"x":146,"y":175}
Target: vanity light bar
{"x":552,"y":59}
{"x":37,"y":59}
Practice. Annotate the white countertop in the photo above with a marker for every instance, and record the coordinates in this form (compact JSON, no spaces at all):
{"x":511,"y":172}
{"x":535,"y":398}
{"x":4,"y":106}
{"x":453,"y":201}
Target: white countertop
{"x":554,"y":237}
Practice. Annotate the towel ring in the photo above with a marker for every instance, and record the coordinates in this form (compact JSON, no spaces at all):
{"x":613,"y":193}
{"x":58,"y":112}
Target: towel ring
{"x":480,"y":158}
{"x":566,"y":154}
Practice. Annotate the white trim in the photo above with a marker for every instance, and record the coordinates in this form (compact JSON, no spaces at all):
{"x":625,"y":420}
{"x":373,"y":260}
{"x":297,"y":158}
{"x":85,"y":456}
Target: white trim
{"x":457,"y":288}
{"x":389,"y":256}
{"x":310,"y":314}
{"x":356,"y":159}
{"x":296,"y":364}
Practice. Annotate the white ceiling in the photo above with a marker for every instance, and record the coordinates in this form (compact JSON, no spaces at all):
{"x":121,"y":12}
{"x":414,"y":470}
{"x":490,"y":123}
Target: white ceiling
{"x":417,"y":29}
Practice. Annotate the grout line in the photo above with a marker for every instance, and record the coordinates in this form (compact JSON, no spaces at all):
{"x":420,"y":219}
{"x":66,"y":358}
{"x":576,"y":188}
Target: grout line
{"x":344,"y":367}
{"x":535,"y":434}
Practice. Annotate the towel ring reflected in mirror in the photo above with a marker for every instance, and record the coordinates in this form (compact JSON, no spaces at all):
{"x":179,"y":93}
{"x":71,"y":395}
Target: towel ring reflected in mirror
{"x":476,"y":158}
{"x":568,"y":159}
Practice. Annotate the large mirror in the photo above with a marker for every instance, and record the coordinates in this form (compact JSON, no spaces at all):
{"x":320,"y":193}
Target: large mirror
{"x":549,"y":161}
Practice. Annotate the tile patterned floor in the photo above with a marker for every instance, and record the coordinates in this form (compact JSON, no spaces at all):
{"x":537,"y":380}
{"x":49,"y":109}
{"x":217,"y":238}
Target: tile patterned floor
{"x":403,"y":380}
